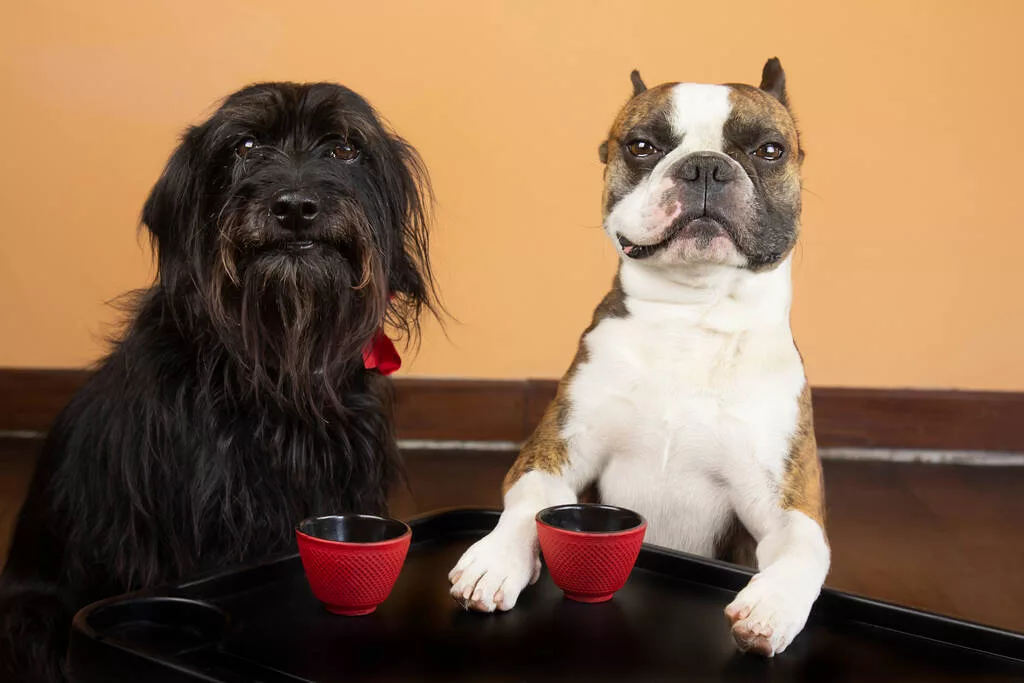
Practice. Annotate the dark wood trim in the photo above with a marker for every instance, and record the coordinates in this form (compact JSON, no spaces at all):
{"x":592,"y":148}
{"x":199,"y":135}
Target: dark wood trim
{"x":461,"y":409}
{"x":508,"y":410}
{"x":905,"y":418}
{"x":31,"y":398}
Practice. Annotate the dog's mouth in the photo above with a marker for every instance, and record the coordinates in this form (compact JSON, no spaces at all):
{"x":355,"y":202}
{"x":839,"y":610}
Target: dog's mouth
{"x":703,"y":229}
{"x":641,"y":251}
{"x":295,"y":247}
{"x":299,"y":245}
{"x":311,"y":251}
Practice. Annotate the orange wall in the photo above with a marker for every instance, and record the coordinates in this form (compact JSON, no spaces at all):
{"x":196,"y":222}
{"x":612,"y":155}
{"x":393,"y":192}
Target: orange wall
{"x":909,"y":273}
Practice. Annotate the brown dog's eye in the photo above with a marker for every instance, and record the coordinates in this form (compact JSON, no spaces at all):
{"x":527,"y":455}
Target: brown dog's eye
{"x":345,"y":151}
{"x":245,"y":146}
{"x":770,"y":151}
{"x":641,"y":148}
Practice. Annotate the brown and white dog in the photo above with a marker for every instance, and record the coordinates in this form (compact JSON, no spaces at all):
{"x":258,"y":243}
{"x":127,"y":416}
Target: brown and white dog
{"x":687,"y":399}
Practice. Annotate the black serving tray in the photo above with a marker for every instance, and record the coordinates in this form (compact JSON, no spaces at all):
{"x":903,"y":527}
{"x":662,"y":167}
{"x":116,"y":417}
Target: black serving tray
{"x":263,"y":624}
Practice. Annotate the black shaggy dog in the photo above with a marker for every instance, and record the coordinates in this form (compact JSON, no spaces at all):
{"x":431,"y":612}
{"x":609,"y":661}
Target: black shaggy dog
{"x":288,"y":229}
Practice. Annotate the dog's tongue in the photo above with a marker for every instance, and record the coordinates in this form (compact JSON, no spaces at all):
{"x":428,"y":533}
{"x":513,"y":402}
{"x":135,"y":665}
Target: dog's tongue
{"x":628,"y":248}
{"x":381,"y":355}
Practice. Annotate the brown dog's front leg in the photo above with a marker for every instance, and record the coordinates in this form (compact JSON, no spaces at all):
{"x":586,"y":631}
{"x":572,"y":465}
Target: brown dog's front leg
{"x":495,"y":570}
{"x":793,"y":556}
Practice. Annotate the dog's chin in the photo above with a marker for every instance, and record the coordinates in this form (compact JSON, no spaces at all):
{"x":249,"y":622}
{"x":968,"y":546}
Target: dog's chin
{"x":298,"y":315}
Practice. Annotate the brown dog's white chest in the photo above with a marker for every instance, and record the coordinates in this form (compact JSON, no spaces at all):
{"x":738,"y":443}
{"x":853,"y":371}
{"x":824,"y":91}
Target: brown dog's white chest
{"x":677,"y":402}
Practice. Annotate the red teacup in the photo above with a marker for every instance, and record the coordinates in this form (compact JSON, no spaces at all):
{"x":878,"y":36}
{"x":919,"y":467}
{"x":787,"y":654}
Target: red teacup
{"x":352,"y":561}
{"x":590,"y":549}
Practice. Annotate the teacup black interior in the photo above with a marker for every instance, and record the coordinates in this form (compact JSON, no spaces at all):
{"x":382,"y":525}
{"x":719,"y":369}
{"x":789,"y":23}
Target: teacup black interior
{"x":596,"y":519}
{"x":353,"y":528}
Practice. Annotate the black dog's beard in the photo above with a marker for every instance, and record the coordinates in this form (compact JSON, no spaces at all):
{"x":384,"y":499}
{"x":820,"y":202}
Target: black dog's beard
{"x":296,"y":321}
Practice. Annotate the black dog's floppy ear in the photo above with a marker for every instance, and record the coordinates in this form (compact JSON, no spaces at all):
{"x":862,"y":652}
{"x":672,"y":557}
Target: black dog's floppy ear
{"x":410,"y":277}
{"x":170,"y":208}
{"x":602,"y":152}
{"x":773,"y":80}
{"x":638,"y":83}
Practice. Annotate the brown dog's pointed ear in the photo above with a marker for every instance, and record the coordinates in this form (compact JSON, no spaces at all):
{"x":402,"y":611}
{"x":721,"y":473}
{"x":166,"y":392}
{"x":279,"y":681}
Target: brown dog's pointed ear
{"x":602,"y":152}
{"x":773,"y":80}
{"x":638,"y":83}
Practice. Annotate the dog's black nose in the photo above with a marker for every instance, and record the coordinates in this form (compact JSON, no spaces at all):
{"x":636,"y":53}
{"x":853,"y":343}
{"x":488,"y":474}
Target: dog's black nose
{"x":706,"y":167}
{"x":295,"y":209}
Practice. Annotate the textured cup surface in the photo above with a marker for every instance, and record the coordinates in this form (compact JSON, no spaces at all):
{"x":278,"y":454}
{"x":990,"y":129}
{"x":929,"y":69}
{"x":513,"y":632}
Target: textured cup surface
{"x":352,"y":561}
{"x":590,"y":549}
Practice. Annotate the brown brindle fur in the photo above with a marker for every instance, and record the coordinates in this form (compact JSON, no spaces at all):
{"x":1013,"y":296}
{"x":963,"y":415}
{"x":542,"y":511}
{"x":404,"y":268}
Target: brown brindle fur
{"x":736,"y":545}
{"x":750,"y":105}
{"x":802,"y":485}
{"x":546,"y":450}
{"x":637,"y":110}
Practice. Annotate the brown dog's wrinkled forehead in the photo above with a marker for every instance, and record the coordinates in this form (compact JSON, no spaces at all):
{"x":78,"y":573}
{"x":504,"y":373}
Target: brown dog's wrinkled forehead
{"x":651,"y":105}
{"x":753,"y":106}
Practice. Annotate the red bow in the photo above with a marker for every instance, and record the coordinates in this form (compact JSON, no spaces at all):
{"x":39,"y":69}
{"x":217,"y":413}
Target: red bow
{"x":381,"y":355}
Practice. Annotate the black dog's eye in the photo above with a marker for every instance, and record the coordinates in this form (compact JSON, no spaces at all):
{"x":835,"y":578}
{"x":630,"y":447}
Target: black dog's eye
{"x":245,"y":146}
{"x":641,"y":148}
{"x":770,"y":151}
{"x":345,"y":151}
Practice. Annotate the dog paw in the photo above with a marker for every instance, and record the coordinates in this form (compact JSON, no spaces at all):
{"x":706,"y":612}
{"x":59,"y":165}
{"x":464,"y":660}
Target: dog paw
{"x":767,"y":615}
{"x":495,"y":570}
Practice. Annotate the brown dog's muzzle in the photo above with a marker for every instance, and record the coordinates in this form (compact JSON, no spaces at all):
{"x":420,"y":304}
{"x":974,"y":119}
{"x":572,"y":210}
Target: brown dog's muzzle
{"x":709,"y":185}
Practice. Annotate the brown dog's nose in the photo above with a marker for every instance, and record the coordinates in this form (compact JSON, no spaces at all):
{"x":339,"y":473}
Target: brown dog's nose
{"x":295,"y":209}
{"x":706,"y":167}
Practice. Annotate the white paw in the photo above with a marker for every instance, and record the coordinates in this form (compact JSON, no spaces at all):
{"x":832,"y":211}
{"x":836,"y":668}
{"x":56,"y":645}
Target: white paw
{"x":495,"y":570}
{"x":769,"y":613}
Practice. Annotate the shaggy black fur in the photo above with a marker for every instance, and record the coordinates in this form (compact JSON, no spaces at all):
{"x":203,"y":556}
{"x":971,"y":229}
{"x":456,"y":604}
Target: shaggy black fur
{"x":288,"y":228}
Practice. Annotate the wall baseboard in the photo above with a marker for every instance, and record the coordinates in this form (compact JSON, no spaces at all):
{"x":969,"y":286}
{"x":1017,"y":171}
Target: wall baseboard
{"x":508,"y":410}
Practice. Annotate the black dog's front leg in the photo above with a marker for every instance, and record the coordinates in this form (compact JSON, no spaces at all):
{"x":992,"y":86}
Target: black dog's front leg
{"x":35,"y":609}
